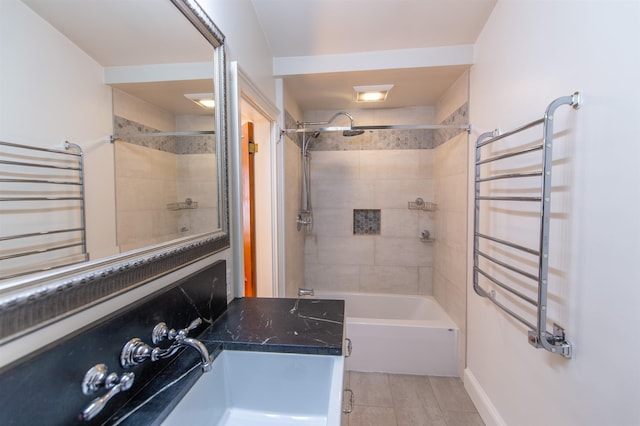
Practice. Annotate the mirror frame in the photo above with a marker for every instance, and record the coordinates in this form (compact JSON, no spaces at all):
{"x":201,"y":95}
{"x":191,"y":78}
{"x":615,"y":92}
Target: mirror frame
{"x":34,"y":301}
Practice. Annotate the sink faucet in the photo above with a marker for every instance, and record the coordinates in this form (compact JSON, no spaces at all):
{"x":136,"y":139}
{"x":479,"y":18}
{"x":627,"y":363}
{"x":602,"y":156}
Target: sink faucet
{"x":135,"y":351}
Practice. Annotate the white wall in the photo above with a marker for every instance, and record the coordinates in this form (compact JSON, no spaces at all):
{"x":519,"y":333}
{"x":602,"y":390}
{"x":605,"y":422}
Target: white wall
{"x":52,"y":92}
{"x":245,"y":40}
{"x":529,"y":53}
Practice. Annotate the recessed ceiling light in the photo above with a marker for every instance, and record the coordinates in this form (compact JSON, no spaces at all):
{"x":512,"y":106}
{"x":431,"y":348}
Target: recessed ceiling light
{"x":372,"y":93}
{"x":203,"y":100}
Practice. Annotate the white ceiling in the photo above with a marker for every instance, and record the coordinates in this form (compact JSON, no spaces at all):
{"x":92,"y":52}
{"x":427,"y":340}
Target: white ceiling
{"x":126,"y":32}
{"x":327,"y":27}
{"x":296,"y":28}
{"x":129,"y":33}
{"x":120,"y":33}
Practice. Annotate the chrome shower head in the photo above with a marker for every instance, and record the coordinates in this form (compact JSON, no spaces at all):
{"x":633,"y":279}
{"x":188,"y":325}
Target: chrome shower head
{"x":350,"y":133}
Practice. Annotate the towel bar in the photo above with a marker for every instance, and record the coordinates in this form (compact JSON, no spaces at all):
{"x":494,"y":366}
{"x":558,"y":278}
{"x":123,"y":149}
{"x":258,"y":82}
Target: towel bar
{"x":538,"y":335}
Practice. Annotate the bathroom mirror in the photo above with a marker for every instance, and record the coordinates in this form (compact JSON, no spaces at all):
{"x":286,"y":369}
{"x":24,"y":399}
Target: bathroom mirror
{"x":146,"y":70}
{"x":165,"y":161}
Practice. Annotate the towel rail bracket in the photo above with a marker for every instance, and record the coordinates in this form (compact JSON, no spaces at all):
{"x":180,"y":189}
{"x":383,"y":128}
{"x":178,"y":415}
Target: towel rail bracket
{"x":553,"y":342}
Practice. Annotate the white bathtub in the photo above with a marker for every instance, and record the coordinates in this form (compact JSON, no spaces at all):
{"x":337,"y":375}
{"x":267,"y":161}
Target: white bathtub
{"x":398,"y":334}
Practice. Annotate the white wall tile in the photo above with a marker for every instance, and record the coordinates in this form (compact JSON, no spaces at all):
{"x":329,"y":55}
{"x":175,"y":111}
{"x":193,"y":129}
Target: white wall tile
{"x":333,"y":222}
{"x":426,"y":163}
{"x":403,"y":252}
{"x":343,"y":194}
{"x":389,"y":164}
{"x":335,"y":165}
{"x":396,"y":193}
{"x":400,"y":223}
{"x":425,"y":280}
{"x":356,"y":250}
{"x":389,"y":279}
{"x":334,"y":277}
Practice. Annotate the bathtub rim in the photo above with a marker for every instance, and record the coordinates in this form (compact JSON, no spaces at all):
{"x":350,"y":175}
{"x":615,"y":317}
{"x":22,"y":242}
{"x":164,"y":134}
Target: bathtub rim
{"x":446,"y":322}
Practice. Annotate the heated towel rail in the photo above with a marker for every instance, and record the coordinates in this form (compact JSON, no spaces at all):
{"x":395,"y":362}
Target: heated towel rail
{"x":42,"y":208}
{"x":517,"y":271}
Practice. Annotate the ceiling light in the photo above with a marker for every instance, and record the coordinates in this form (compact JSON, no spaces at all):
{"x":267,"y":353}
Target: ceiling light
{"x":372,"y":93}
{"x":203,"y":100}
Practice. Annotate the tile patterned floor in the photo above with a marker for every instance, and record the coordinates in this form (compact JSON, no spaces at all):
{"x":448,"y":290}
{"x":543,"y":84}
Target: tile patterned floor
{"x":403,"y":400}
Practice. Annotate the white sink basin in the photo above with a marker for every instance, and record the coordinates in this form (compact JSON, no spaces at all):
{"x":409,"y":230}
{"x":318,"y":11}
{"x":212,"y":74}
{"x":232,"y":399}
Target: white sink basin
{"x":261,"y":388}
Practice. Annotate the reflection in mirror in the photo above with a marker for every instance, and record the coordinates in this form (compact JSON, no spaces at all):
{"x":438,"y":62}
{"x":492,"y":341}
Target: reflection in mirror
{"x":165,"y":162}
{"x":113,"y":67}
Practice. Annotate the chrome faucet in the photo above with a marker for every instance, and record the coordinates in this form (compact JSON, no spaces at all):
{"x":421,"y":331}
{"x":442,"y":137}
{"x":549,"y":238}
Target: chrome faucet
{"x":96,"y":378}
{"x":135,"y":351}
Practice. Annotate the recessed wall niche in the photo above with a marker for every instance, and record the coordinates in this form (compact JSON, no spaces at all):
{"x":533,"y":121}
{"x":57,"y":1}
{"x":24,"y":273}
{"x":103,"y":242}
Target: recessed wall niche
{"x":366,"y":222}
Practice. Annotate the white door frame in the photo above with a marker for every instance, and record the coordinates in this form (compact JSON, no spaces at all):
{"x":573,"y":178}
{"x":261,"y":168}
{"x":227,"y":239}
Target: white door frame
{"x":241,"y":89}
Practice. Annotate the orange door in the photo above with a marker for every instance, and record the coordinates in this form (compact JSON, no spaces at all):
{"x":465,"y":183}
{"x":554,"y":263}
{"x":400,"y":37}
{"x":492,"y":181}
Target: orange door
{"x":248,"y":209}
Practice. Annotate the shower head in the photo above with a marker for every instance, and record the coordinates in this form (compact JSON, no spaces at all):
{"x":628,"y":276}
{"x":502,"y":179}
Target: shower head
{"x":350,"y":133}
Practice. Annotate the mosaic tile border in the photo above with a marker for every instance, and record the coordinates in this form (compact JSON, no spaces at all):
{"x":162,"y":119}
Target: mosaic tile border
{"x":290,"y":123}
{"x":394,"y":139}
{"x":459,"y":116}
{"x":135,"y":133}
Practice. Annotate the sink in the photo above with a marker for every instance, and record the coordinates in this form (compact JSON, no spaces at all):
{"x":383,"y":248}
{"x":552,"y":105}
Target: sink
{"x":264,"y":388}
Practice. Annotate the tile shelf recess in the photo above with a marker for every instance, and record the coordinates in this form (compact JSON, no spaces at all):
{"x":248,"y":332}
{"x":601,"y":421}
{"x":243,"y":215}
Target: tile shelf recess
{"x":366,"y":222}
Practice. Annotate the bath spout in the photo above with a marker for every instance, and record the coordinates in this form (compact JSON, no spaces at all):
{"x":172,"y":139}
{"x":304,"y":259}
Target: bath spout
{"x":305,"y":292}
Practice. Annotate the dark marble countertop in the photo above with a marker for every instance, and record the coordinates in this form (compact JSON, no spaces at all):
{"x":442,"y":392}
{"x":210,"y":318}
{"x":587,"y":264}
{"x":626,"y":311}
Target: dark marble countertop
{"x":305,"y":326}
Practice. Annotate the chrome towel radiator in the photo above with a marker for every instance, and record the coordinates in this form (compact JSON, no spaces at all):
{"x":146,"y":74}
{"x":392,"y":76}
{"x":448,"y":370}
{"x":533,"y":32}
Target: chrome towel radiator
{"x":42,"y":208}
{"x":494,"y":256}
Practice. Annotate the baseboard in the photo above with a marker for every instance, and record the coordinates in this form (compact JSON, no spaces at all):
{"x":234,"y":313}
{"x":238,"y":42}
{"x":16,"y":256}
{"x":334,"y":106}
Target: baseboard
{"x":485,"y":407}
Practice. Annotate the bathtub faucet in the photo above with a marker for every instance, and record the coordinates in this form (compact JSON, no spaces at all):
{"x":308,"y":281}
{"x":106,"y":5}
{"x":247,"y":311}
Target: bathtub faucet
{"x":305,"y":292}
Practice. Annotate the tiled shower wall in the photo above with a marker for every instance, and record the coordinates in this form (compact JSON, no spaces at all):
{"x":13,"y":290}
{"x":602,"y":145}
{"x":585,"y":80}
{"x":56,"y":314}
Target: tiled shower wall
{"x":451,"y":188}
{"x":386,"y":170}
{"x":386,"y":178}
{"x":153,"y":172}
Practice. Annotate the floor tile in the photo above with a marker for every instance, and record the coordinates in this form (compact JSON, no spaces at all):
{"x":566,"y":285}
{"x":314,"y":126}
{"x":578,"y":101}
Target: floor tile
{"x":419,"y":416}
{"x":372,"y":416}
{"x":371,"y":389}
{"x":462,"y":418}
{"x":408,"y":400}
{"x":410,"y":391}
{"x":451,"y":395}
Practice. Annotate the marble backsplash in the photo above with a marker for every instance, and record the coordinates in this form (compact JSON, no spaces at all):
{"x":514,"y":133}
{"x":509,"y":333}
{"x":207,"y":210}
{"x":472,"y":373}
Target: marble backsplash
{"x":45,"y":388}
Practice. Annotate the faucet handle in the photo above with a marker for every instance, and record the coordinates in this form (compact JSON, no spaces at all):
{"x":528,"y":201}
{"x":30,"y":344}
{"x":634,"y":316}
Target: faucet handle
{"x":97,"y":378}
{"x":161,"y":331}
{"x":194,"y":324}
